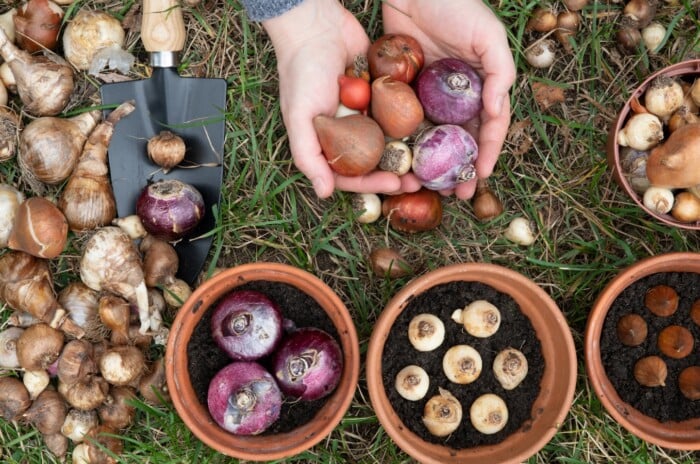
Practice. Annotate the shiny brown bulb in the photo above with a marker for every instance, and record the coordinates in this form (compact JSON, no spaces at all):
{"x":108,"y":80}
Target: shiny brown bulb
{"x":695,"y":312}
{"x":632,"y":329}
{"x":651,"y":371}
{"x":675,"y":341}
{"x":661,"y":300}
{"x":689,"y":382}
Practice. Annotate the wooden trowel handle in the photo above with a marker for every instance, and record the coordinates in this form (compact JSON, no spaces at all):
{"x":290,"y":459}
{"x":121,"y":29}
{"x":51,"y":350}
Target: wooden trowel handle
{"x":162,"y":26}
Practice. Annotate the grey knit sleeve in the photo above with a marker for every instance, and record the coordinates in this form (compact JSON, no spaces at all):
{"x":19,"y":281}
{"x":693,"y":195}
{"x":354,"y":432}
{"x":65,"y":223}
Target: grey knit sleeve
{"x":260,"y":10}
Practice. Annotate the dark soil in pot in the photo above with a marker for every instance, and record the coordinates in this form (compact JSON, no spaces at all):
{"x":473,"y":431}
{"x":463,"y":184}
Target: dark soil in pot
{"x":515,"y":331}
{"x":664,"y":403}
{"x":205,"y":359}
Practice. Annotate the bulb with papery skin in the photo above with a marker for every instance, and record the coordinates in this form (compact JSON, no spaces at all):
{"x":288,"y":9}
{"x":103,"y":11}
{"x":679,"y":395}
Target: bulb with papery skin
{"x":444,"y":156}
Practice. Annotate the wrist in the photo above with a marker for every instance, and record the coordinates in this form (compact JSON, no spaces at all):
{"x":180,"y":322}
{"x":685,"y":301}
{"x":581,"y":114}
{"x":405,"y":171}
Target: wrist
{"x":302,"y":21}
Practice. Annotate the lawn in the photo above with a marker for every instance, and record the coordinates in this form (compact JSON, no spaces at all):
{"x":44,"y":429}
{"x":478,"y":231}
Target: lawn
{"x":553,"y":170}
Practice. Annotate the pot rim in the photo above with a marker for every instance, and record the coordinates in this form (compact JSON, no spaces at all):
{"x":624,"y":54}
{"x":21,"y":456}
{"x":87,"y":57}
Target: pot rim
{"x":613,"y":149}
{"x":683,"y":435}
{"x":550,"y":407}
{"x":196,"y":416}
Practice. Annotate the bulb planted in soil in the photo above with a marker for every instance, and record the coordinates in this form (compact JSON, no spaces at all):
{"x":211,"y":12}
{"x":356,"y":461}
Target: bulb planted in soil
{"x":632,"y":329}
{"x":412,"y":382}
{"x":426,"y":332}
{"x":689,"y":382}
{"x":651,"y":371}
{"x":675,"y":341}
{"x":661,"y":300}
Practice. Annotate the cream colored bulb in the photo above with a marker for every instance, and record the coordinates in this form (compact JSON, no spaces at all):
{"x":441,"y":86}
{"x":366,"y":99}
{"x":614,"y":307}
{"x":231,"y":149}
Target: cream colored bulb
{"x":462,"y":364}
{"x":412,"y":382}
{"x":426,"y":332}
{"x":442,"y":414}
{"x":489,"y":414}
{"x":480,"y":318}
{"x":510,"y":368}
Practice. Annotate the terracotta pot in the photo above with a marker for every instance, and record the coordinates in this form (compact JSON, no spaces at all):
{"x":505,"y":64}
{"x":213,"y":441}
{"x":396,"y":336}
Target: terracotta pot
{"x":196,"y":415}
{"x":685,"y":68}
{"x":558,"y":380}
{"x":684,"y":435}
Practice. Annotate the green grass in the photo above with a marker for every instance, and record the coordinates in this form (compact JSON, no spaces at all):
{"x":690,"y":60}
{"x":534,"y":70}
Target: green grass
{"x":587,"y":228}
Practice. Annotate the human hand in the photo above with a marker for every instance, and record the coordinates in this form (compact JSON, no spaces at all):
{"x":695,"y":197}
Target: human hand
{"x":314,"y":42}
{"x":465,"y":29}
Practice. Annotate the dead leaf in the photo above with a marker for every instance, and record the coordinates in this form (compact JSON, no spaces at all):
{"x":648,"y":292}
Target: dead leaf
{"x":519,"y":138}
{"x":547,"y":95}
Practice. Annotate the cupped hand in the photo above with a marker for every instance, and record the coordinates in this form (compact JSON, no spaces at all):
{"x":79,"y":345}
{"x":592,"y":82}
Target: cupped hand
{"x":469,"y":30}
{"x":314,"y":43}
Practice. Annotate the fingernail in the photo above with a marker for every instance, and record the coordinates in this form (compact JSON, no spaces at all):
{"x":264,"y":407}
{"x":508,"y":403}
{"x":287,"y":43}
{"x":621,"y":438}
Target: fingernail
{"x":499,"y":104}
{"x":319,"y":186}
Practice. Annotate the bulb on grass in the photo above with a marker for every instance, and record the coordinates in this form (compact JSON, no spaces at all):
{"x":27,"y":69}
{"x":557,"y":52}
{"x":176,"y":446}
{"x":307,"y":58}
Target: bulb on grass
{"x":367,"y":207}
{"x":520,"y":232}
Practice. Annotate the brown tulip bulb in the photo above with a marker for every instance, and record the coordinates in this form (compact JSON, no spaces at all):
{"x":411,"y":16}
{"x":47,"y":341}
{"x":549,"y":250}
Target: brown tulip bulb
{"x":413,"y":211}
{"x":651,"y":371}
{"x":661,"y":300}
{"x":40,"y":229}
{"x":395,"y":107}
{"x":76,"y":361}
{"x":632,"y":329}
{"x":676,"y":341}
{"x":353,"y":145}
{"x":689,"y":382}
{"x":85,"y":395}
{"x":38,"y":23}
{"x":486,"y":204}
{"x":639,"y":13}
{"x":695,"y":312}
{"x":543,"y":19}
{"x":387,"y":262}
{"x":117,"y":411}
{"x":102,"y":444}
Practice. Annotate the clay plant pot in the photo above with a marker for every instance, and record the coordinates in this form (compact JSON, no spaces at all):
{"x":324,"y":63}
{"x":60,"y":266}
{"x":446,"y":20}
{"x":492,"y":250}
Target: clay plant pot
{"x":557,"y":384}
{"x":682,"y":435}
{"x":196,"y":416}
{"x":689,"y":69}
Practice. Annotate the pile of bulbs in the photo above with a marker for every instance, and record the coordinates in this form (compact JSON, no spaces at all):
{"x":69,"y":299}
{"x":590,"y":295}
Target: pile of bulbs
{"x":462,"y":365}
{"x":674,"y":342}
{"x":83,"y":354}
{"x":77,"y":354}
{"x":637,"y":27}
{"x":546,"y":21}
{"x":658,"y":148}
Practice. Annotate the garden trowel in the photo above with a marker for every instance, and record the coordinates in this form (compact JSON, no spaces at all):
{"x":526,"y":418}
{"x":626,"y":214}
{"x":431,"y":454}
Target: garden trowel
{"x":192,"y":108}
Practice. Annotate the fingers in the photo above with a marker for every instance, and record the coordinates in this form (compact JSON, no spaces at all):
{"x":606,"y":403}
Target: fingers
{"x":307,"y":155}
{"x":499,"y":74}
{"x":374,"y":182}
{"x":492,"y":133}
